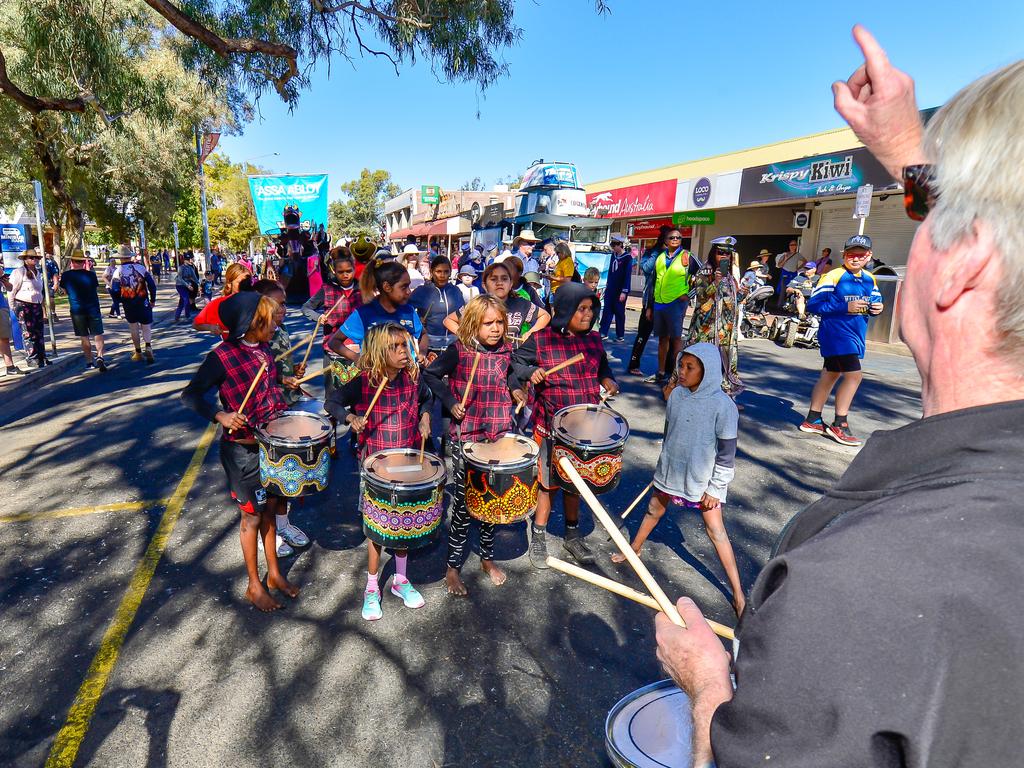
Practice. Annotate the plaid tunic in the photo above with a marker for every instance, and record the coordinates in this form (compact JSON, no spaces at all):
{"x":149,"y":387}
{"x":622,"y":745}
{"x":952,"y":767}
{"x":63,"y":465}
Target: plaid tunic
{"x":578,"y":384}
{"x":351,"y":300}
{"x":395,"y":420}
{"x":489,"y":408}
{"x":241,"y":362}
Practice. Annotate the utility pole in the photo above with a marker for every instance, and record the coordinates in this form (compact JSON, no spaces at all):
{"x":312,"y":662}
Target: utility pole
{"x":142,"y":246}
{"x":202,"y":193}
{"x":40,"y":218}
{"x":176,"y":262}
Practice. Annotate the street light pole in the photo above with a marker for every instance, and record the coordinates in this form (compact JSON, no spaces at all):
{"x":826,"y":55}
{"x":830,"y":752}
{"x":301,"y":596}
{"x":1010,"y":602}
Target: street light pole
{"x":202,"y":194}
{"x":175,"y":225}
{"x":40,"y":218}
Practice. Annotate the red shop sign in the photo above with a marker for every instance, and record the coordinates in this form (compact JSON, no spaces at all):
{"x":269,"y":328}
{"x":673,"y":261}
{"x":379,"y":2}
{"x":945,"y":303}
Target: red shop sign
{"x":645,"y":229}
{"x":639,"y":200}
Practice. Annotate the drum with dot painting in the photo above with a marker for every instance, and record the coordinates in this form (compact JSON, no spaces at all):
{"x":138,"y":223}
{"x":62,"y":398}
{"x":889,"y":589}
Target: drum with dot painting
{"x":591,"y":437}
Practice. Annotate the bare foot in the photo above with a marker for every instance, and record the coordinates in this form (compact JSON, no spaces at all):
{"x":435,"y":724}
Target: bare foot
{"x":454,"y":583}
{"x":618,"y":557}
{"x":281,"y":583}
{"x":259,"y":597}
{"x":497,"y":575}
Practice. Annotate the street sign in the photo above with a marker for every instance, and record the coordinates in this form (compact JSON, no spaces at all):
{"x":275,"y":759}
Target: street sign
{"x":692,"y":218}
{"x":430,"y":194}
{"x":862,"y":208}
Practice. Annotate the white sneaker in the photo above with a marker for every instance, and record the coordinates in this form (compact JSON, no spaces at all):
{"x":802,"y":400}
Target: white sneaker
{"x":293,"y":535}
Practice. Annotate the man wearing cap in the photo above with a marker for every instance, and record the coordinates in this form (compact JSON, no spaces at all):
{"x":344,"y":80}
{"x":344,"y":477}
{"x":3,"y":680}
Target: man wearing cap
{"x":843,"y":299}
{"x":186,"y":283}
{"x":802,"y":286}
{"x":616,"y":291}
{"x":523,"y":246}
{"x":82,"y":288}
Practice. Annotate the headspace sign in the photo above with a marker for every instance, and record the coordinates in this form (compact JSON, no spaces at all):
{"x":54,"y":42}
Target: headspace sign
{"x":821,"y":176}
{"x":652,"y":199}
{"x":270,"y":195}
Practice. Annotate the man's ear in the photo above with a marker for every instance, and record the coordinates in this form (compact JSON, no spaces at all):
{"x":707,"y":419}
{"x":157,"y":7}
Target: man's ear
{"x":965,"y":264}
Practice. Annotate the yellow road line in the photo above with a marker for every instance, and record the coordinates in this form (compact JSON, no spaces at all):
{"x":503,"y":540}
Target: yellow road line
{"x":69,"y":739}
{"x":120,"y":506}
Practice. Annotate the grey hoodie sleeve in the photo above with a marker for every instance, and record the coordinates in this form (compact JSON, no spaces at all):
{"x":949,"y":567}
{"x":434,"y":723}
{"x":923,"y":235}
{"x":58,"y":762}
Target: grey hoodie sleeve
{"x":726,"y":427}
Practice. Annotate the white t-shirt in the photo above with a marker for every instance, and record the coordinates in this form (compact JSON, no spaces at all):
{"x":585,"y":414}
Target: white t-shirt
{"x":790,"y":262}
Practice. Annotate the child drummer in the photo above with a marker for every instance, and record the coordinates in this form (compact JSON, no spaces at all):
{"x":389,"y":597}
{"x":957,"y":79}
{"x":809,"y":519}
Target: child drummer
{"x":698,"y":456}
{"x":486,"y":416}
{"x":231,"y":367}
{"x":400,"y":419}
{"x":574,"y":311}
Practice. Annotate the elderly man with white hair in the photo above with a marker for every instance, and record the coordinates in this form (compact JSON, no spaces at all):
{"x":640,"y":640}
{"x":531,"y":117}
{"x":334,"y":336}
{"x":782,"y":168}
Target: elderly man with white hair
{"x":887,"y":628}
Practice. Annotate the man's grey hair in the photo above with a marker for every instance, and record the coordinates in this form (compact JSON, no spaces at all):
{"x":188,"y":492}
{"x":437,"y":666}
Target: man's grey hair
{"x":977,"y":144}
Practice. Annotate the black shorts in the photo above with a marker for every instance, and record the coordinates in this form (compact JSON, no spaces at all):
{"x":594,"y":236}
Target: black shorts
{"x":241,"y":463}
{"x":842,"y":363}
{"x":137,"y":311}
{"x":87,"y":325}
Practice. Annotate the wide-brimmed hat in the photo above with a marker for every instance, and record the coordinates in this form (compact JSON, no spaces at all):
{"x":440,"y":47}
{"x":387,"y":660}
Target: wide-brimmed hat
{"x":77,"y":255}
{"x":362,"y":249}
{"x":526,"y":236}
{"x":125,"y":252}
{"x":532,"y":278}
{"x":467,"y":269}
{"x":765,"y":252}
{"x":411,"y":249}
{"x":31,"y":253}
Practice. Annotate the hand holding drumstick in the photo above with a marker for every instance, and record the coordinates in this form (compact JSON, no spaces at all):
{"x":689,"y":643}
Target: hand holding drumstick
{"x":539,"y":375}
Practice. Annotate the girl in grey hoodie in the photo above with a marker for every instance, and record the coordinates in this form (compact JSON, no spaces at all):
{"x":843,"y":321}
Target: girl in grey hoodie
{"x":698,"y":455}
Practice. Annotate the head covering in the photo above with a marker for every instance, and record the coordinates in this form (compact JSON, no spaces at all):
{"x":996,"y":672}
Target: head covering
{"x":711,"y":358}
{"x":77,"y":255}
{"x":187,"y":256}
{"x":466,"y":248}
{"x":237,"y":312}
{"x":755,"y":265}
{"x":567,"y":300}
{"x":362,"y":249}
{"x":810,"y":265}
{"x":858,"y":241}
{"x":479,"y":247}
{"x":727,"y":242}
{"x":618,"y":237}
{"x":413,"y":249}
{"x":467,"y":269}
{"x":765,"y":252}
{"x":383,"y":253}
{"x":125,"y":252}
{"x":532,"y":278}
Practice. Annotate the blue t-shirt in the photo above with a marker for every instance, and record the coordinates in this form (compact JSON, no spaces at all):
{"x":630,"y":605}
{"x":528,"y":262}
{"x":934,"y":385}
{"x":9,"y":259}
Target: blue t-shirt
{"x":840,"y":332}
{"x":81,"y":287}
{"x":369,"y":315}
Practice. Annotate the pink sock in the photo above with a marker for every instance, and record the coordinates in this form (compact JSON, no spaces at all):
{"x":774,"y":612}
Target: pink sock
{"x":371,"y":582}
{"x":401,"y":561}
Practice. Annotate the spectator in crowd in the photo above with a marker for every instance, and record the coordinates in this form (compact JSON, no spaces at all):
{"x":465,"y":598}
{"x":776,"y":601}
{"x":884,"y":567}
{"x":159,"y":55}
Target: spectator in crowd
{"x":27,"y":293}
{"x":82,"y":288}
{"x":789,"y":264}
{"x":646,"y":323}
{"x":411,"y":261}
{"x":802,"y":286}
{"x":616,"y":289}
{"x":6,"y":327}
{"x":108,"y":279}
{"x":920,"y":539}
{"x":137,"y":290}
{"x":186,"y":282}
{"x":523,"y":247}
{"x":670,"y":264}
{"x":53,"y":278}
{"x":824,"y":263}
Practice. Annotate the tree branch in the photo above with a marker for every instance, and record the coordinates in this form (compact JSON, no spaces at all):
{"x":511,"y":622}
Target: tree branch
{"x":225,"y":47}
{"x":37,"y":104}
{"x":364,"y":47}
{"x":369,"y":10}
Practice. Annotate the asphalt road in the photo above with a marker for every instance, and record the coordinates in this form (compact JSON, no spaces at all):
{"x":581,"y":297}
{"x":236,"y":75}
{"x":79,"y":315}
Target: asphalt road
{"x":518,"y":675}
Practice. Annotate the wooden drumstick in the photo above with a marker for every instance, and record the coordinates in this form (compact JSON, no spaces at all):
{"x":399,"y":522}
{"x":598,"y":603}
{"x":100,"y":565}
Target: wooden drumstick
{"x":313,"y":375}
{"x":564,"y":364}
{"x":373,"y":402}
{"x":252,"y":388}
{"x":423,"y":445}
{"x":520,"y":406}
{"x":628,"y":592}
{"x":469,"y":384}
{"x":635,"y":501}
{"x":620,"y":541}
{"x":319,"y":321}
{"x":291,"y":349}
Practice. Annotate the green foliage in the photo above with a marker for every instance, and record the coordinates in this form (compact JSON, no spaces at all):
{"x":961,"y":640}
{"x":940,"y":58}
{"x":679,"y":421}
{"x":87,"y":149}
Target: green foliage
{"x":362,"y":213}
{"x":229,"y":204}
{"x":474,"y":185}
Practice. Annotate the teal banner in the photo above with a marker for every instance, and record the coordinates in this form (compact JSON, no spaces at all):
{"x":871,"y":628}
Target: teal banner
{"x":270,"y":195}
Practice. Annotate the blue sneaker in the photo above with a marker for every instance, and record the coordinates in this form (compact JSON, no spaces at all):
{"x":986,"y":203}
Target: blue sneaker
{"x":407,"y":592}
{"x":371,"y":605}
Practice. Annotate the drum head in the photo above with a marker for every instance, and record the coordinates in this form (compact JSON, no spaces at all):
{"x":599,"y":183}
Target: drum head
{"x":296,"y":428}
{"x":591,"y":425}
{"x":651,"y":728}
{"x":507,"y":451}
{"x":390,"y":467}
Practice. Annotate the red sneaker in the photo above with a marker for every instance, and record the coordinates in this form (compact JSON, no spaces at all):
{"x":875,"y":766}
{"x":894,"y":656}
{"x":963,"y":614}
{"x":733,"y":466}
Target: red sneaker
{"x":843,"y":435}
{"x":816,"y":427}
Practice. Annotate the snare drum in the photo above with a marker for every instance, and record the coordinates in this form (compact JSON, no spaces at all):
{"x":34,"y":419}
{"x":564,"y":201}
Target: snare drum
{"x":650,"y":728}
{"x":592,"y":438}
{"x":501,"y":479}
{"x":403,"y":501}
{"x":295,"y":456}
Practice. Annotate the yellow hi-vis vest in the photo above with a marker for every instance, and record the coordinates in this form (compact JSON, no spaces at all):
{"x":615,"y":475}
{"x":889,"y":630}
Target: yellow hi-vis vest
{"x":671,"y":281}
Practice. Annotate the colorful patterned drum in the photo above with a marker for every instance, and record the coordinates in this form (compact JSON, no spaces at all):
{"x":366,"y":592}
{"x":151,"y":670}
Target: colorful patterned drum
{"x":501,"y":479}
{"x":295,"y":456}
{"x":592,"y":438}
{"x":402,"y":509}
{"x":650,"y":728}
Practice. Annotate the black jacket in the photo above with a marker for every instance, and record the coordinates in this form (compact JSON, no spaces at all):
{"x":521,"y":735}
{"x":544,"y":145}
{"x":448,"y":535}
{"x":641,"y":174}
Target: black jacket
{"x":889,"y":628}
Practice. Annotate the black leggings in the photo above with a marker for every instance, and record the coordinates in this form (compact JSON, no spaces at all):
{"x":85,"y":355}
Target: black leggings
{"x":458,"y":531}
{"x":643,"y":333}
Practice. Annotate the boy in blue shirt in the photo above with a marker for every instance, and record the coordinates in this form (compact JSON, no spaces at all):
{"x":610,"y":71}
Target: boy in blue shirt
{"x":843,"y":299}
{"x":82,"y":288}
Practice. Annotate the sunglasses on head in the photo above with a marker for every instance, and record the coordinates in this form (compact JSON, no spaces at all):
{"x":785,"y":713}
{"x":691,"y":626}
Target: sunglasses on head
{"x":919,"y":190}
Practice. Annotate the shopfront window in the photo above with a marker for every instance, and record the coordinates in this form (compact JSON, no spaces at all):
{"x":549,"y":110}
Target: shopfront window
{"x":590,"y":234}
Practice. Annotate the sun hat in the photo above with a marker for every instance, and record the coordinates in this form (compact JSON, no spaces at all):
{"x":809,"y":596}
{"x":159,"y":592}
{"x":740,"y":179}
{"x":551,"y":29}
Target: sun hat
{"x":765,"y":252}
{"x":467,"y":269}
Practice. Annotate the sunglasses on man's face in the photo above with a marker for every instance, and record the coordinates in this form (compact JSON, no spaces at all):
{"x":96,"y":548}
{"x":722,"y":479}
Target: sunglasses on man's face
{"x":919,"y":190}
{"x":675,"y":237}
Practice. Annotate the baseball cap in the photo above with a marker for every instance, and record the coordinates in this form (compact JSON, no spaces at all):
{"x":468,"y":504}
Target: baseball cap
{"x":810,"y":265}
{"x":466,"y":248}
{"x":858,"y":241}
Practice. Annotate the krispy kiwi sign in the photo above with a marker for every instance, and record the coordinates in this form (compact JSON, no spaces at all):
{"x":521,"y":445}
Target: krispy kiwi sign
{"x":839,"y":173}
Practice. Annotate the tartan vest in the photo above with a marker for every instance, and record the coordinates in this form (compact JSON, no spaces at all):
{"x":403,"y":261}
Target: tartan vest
{"x":574,"y":385}
{"x":395,"y":420}
{"x":489,"y":408}
{"x":241,"y":362}
{"x":351,"y":300}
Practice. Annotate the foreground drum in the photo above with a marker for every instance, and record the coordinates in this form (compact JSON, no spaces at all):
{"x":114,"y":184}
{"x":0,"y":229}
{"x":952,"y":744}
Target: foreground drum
{"x":592,"y":438}
{"x":501,"y":479}
{"x":650,"y":728}
{"x":403,"y":501}
{"x":295,"y":456}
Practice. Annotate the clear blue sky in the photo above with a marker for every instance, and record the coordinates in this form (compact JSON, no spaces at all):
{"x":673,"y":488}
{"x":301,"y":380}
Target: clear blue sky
{"x":653,"y":83}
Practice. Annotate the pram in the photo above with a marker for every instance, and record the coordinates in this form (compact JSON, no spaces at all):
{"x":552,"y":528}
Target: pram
{"x":753,"y":322}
